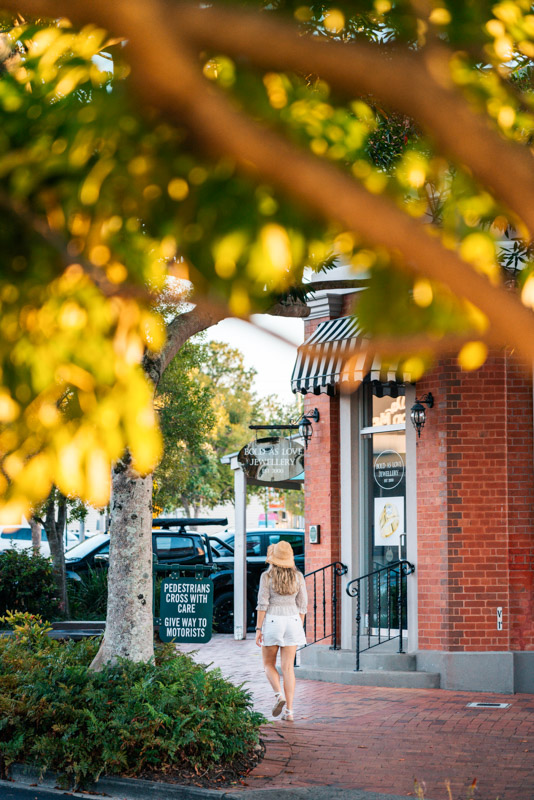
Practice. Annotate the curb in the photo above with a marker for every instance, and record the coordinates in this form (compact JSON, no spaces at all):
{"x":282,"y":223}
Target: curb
{"x":123,"y":788}
{"x":138,"y":789}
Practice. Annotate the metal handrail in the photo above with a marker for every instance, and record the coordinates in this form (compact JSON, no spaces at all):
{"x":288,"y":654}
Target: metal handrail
{"x":400,"y":569}
{"x":338,"y":569}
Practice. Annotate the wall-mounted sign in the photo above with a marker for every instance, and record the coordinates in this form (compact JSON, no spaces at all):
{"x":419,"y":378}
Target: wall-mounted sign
{"x":186,"y":610}
{"x":272,"y":459}
{"x":388,"y":469}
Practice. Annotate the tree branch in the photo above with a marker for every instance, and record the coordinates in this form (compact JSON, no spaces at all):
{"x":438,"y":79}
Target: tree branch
{"x":415,"y":83}
{"x":315,"y":183}
{"x":179,"y":331}
{"x":37,"y":225}
{"x":157,"y":55}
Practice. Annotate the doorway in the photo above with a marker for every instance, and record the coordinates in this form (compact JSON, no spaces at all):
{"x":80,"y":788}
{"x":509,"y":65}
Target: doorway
{"x":383,"y":493}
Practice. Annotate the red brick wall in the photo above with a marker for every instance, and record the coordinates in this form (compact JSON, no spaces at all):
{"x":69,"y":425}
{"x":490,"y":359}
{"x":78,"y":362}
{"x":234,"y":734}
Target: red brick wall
{"x":322,"y":499}
{"x":475,"y":484}
{"x":521,"y":507}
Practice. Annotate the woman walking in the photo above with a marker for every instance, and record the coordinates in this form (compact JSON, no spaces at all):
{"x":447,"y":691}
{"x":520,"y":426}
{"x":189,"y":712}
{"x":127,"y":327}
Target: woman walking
{"x":282,"y":604}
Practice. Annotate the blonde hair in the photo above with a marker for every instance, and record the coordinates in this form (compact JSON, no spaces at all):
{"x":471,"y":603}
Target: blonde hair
{"x":284,"y":580}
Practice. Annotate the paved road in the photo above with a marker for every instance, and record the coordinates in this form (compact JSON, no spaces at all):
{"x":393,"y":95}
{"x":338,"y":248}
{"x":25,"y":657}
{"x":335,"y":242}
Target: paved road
{"x":378,"y":739}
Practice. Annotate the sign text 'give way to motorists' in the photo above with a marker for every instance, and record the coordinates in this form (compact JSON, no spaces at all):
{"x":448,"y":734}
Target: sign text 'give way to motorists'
{"x":186,"y":610}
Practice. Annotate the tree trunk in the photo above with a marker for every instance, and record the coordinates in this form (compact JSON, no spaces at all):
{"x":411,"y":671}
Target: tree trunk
{"x":129,"y":624}
{"x":36,"y":535}
{"x":54,"y":524}
{"x":188,"y":511}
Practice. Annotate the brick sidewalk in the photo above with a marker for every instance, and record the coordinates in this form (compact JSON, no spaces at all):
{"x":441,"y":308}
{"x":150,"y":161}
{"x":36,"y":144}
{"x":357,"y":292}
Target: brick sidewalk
{"x":380,"y":739}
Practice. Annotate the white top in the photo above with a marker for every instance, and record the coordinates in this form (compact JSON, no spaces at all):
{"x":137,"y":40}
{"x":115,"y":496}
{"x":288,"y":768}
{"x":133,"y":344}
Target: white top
{"x":283,"y":605}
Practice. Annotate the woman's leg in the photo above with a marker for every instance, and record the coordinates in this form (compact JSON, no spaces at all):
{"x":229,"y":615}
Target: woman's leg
{"x":288,"y":672}
{"x":269,"y":665}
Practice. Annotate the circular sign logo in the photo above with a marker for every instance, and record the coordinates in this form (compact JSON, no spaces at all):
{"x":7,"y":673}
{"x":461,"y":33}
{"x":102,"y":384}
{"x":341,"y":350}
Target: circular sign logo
{"x":389,"y":469}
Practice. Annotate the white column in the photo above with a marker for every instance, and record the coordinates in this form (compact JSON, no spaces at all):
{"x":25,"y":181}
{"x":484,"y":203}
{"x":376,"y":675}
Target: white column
{"x":349,"y":496}
{"x":411,"y":519}
{"x":240,"y":553}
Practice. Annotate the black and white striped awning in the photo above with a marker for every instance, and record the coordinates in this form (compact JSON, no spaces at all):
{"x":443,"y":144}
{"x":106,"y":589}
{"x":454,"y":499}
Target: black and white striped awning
{"x":337,"y":354}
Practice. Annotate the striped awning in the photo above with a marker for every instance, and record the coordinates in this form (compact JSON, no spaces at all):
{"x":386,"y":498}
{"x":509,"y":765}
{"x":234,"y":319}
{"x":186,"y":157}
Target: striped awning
{"x":337,"y":354}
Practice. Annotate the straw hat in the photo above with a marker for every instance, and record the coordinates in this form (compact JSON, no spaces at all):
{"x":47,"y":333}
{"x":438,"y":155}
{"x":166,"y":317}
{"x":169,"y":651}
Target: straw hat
{"x":281,"y":555}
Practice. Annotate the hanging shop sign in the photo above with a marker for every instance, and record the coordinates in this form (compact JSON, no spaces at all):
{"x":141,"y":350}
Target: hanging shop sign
{"x":186,"y":610}
{"x":389,"y":469}
{"x":272,"y":459}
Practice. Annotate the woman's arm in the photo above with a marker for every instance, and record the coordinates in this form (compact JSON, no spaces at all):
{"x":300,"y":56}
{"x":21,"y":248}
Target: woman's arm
{"x":261,"y":608}
{"x":259,"y":624}
{"x":301,"y":599}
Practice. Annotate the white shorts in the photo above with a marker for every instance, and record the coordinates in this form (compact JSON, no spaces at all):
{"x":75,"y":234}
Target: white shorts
{"x":283,"y":631}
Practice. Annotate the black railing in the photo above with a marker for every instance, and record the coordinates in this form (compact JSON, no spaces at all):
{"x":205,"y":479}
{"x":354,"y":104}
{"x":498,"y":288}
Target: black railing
{"x":385,"y":600}
{"x":319,"y":576}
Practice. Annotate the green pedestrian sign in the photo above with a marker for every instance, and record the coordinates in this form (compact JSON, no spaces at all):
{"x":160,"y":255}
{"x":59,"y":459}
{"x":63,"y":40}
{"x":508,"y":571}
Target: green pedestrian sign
{"x":186,"y":610}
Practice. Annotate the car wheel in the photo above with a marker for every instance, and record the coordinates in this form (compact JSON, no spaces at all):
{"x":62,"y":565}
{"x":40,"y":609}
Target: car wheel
{"x":223,"y":613}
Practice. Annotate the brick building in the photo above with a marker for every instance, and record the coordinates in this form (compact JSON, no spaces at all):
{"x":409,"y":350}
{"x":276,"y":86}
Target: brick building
{"x":457,"y":502}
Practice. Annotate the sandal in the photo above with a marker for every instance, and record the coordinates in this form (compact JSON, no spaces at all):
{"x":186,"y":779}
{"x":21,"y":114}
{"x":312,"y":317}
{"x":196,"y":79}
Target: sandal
{"x":280,"y":702}
{"x":287,"y":715}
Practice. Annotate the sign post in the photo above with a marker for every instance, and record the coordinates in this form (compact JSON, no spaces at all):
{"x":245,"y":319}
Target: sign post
{"x":186,"y":610}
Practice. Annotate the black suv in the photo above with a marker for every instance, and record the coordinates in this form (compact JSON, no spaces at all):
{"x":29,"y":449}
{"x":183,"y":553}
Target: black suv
{"x":173,"y":543}
{"x":258,"y":540}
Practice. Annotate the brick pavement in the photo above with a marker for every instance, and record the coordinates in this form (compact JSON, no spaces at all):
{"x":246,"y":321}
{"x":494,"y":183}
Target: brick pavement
{"x":379,"y":739}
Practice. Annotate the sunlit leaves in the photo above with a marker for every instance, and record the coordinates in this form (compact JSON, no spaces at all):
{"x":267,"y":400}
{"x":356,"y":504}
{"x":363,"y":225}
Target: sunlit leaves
{"x":472,"y":355}
{"x":75,"y":363}
{"x":103,"y":199}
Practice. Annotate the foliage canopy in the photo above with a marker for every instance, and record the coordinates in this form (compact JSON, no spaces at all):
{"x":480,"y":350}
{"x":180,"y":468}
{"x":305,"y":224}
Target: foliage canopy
{"x":394,"y":136}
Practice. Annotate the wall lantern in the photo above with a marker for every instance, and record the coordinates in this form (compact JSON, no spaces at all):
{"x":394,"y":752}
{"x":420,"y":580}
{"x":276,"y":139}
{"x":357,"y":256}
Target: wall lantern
{"x":418,"y":413}
{"x":305,"y":426}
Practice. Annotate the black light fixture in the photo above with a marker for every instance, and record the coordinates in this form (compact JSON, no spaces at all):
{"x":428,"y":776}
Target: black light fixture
{"x":302,"y":425}
{"x":418,"y":413}
{"x":305,"y":426}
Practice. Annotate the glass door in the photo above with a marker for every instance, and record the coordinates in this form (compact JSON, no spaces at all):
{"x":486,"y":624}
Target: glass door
{"x":384,"y":474}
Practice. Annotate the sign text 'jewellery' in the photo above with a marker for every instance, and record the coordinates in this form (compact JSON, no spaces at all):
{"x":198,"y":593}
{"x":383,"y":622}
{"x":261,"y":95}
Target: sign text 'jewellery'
{"x":272,"y":459}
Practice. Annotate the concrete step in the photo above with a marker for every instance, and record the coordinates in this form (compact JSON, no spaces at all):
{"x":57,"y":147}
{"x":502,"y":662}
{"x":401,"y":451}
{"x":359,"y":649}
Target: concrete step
{"x":322,"y":657}
{"x":397,"y":679}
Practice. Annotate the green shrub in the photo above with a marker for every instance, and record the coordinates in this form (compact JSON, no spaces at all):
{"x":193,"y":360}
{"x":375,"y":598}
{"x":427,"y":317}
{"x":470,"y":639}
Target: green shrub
{"x":27,"y":584}
{"x":88,"y":598}
{"x":128,"y":719}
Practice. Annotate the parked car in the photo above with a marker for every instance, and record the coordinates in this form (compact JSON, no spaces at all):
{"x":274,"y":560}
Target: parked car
{"x":172,"y":543}
{"x":258,"y":540}
{"x":20,"y":536}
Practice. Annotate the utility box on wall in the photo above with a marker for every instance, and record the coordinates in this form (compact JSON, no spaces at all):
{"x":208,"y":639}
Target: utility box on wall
{"x":314,"y":534}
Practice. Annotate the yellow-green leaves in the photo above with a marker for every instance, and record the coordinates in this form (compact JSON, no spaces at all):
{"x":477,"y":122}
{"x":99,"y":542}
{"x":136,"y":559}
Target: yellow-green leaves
{"x":86,"y":397}
{"x":479,"y":250}
{"x":472,"y":355}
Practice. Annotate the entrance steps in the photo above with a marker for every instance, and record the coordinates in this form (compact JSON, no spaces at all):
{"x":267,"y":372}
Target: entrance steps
{"x":379,"y":667}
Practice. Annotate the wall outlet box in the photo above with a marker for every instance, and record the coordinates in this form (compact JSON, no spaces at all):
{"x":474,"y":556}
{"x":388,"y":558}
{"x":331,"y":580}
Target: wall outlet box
{"x":314,"y":534}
